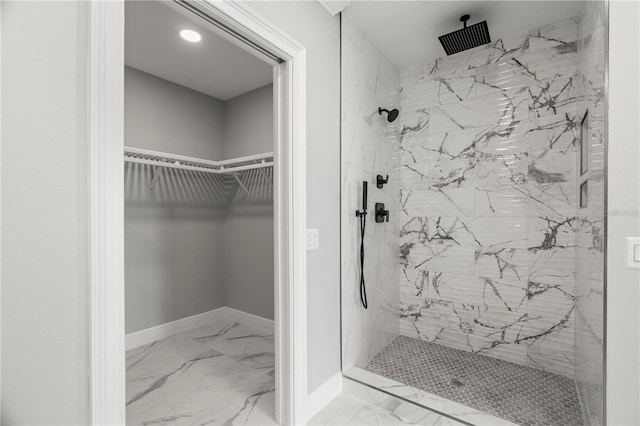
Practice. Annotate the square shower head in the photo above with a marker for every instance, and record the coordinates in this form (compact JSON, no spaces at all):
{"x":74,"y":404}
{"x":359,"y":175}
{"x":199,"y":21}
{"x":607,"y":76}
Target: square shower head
{"x":466,"y":38}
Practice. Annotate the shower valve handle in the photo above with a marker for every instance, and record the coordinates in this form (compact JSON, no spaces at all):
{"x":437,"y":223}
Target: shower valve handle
{"x":382,"y":215}
{"x":380,"y":181}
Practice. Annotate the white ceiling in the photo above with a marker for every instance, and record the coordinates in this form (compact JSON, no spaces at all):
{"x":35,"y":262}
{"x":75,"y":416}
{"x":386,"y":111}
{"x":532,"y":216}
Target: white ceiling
{"x":213,"y":66}
{"x":407,"y":31}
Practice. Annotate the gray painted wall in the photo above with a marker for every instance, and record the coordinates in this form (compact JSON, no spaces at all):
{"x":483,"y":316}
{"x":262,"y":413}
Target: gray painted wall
{"x":45,"y":208}
{"x":312,"y":26}
{"x":248,"y":231}
{"x":174,"y":265}
{"x":181,"y":262}
{"x":248,"y":121}
{"x":167,"y":117}
{"x":174,"y":257}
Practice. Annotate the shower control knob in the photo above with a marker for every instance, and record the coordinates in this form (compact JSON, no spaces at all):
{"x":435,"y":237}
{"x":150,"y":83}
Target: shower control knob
{"x":380,"y":181}
{"x":382,"y":215}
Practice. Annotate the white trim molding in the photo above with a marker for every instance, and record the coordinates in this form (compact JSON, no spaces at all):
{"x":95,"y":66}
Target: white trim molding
{"x":225,"y":313}
{"x":289,"y":201}
{"x":162,"y":331}
{"x":106,"y":180}
{"x":290,"y":158}
{"x":107,"y":194}
{"x":334,"y":6}
{"x":255,"y":322}
{"x":324,"y":394}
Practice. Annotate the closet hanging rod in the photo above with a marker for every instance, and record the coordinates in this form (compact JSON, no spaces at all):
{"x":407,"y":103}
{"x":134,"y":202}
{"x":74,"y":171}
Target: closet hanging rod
{"x":163,"y":159}
{"x":214,"y":163}
{"x":199,"y":169}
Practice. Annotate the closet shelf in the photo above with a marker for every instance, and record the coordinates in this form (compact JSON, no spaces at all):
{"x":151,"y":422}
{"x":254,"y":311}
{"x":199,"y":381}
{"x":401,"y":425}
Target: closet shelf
{"x":163,"y":159}
{"x":155,"y":178}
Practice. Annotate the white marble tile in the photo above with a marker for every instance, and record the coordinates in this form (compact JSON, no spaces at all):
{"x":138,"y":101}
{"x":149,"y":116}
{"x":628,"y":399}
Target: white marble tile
{"x":183,"y":379}
{"x":340,"y":411}
{"x":508,"y":201}
{"x":242,"y":344}
{"x":402,"y":412}
{"x":425,"y":399}
{"x":435,"y":203}
{"x":487,"y":197}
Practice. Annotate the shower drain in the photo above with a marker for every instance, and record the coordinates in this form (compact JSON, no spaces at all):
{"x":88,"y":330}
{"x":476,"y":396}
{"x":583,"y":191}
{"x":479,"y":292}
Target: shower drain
{"x":457,"y":382}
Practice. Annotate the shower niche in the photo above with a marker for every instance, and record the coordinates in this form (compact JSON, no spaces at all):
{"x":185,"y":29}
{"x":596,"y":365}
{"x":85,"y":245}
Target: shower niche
{"x":485,"y":286}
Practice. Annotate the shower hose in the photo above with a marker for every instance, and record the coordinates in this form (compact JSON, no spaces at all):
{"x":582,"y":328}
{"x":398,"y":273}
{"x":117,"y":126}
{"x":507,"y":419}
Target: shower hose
{"x":363,"y":288}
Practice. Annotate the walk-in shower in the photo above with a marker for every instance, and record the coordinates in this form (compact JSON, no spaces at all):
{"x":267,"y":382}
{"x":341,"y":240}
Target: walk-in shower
{"x":484,"y":281}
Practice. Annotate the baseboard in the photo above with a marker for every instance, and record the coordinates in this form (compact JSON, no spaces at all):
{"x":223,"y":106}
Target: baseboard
{"x":259,"y":324}
{"x":150,"y":335}
{"x":319,"y":398}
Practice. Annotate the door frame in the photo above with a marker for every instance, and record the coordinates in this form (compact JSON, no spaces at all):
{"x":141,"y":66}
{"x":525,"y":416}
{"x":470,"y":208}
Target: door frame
{"x":106,"y":198}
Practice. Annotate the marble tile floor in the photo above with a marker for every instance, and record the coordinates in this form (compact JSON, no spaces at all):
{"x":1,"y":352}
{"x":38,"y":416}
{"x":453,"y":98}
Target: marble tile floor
{"x":523,"y":395}
{"x":219,"y":374}
{"x":222,"y":374}
{"x":347,"y":410}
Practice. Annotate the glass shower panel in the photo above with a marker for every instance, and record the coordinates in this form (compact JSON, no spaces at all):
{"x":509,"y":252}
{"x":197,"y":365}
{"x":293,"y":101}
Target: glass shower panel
{"x":589,"y":291}
{"x":485,"y":289}
{"x":370,"y":147}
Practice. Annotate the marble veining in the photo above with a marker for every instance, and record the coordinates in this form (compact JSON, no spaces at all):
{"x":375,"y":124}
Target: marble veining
{"x":488,"y":199}
{"x":217,"y":374}
{"x":487,"y":251}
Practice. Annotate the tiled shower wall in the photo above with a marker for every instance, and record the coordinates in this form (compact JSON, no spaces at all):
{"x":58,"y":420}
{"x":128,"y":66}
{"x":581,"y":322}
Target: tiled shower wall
{"x":590,"y":219}
{"x":369,"y":147}
{"x":488,"y":199}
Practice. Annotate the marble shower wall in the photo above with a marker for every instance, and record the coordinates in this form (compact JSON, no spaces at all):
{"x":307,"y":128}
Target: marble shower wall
{"x":370,"y":146}
{"x":488,"y":199}
{"x":590,"y":219}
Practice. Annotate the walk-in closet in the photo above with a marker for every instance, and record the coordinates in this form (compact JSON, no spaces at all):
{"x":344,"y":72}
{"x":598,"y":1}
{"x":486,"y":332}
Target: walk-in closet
{"x":199,"y":227}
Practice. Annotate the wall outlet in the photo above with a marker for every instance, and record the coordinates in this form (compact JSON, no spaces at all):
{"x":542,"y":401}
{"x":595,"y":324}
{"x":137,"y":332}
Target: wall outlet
{"x":312,"y":239}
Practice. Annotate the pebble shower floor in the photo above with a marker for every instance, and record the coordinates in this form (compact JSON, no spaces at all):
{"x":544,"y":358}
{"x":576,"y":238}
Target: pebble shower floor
{"x":523,"y":395}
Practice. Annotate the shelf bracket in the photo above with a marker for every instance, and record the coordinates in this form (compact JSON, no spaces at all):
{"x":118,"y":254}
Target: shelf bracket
{"x":263,"y":173}
{"x":237,"y":178}
{"x":156,"y":174}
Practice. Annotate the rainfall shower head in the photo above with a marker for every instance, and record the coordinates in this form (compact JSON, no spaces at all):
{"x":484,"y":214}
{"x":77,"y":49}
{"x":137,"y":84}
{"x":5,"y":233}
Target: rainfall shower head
{"x":466,"y":38}
{"x":391,"y":115}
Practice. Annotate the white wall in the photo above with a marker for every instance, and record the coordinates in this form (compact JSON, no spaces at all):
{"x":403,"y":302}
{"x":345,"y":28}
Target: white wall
{"x":248,"y":246}
{"x":174,"y":257}
{"x":310,"y":24}
{"x":45,"y":340}
{"x":623,"y":285}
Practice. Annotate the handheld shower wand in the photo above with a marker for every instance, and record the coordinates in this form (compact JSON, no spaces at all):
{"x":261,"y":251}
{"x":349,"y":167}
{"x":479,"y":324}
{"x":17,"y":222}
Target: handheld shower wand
{"x":362,"y":214}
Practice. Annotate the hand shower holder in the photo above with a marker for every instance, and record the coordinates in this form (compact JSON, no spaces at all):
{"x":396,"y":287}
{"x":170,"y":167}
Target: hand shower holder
{"x":380,"y":181}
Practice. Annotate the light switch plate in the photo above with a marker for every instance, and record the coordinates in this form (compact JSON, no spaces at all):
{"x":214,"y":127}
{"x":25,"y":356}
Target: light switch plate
{"x":633,"y":252}
{"x":312,"y":239}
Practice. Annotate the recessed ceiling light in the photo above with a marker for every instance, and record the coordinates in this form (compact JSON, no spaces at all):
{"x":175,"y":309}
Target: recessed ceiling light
{"x":190,"y":35}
